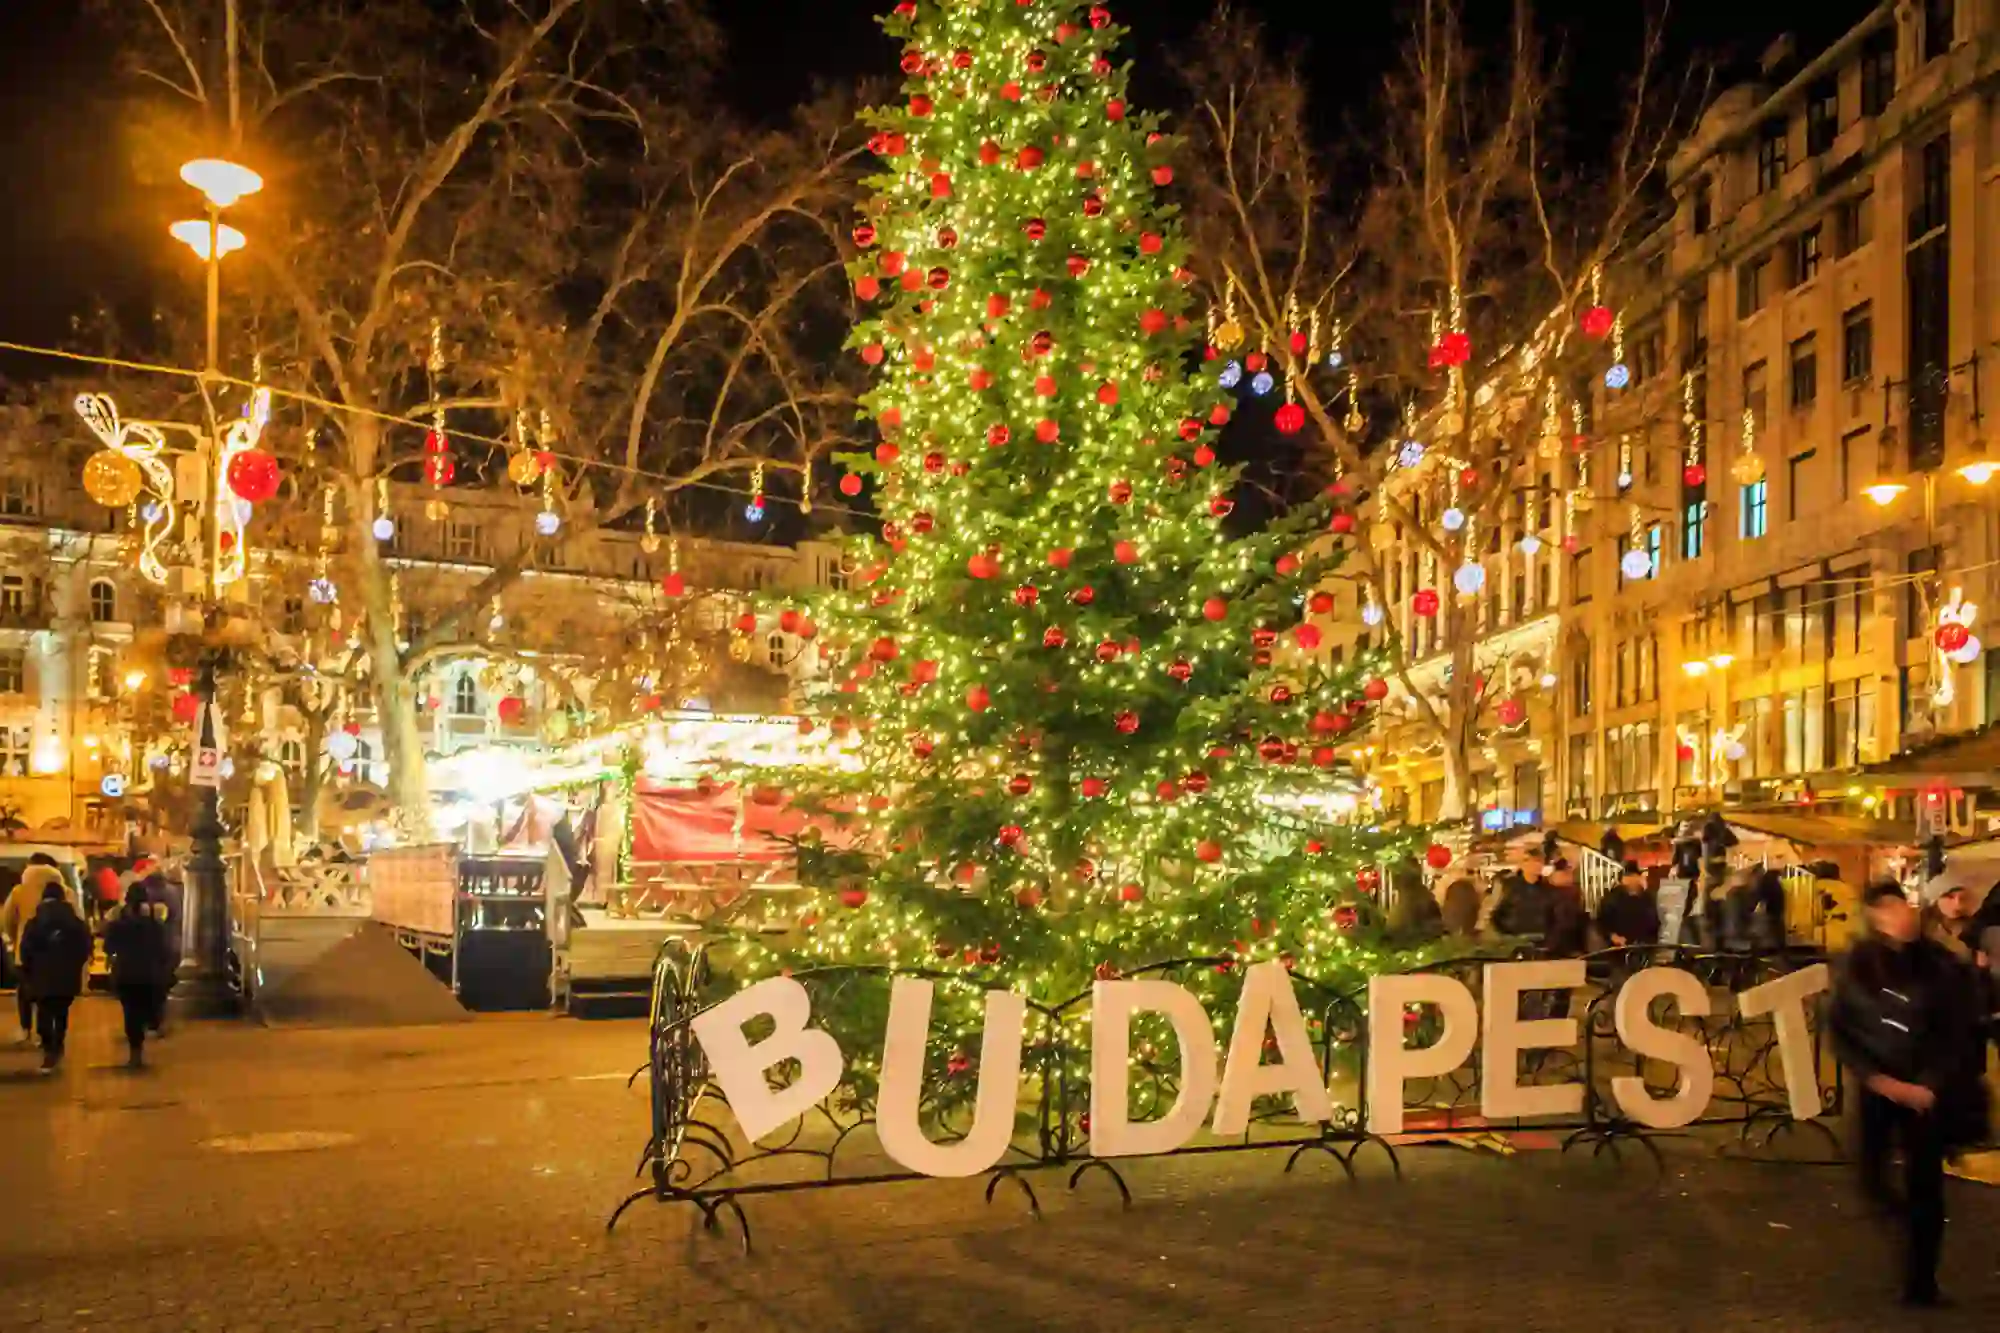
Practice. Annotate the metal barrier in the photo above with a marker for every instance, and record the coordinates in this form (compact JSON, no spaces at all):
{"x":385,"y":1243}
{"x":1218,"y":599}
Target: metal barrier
{"x":695,"y":1155}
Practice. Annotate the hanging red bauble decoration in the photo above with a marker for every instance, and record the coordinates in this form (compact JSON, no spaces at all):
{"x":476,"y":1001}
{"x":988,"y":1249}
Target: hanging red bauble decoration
{"x":1131,"y":893}
{"x":1107,"y":394}
{"x":1952,"y":637}
{"x":1028,"y":158}
{"x":1060,"y":556}
{"x":1290,"y":419}
{"x":1346,"y":918}
{"x":1694,"y":474}
{"x":864,"y":234}
{"x":1150,"y":243}
{"x":920,"y":105}
{"x":1203,"y":455}
{"x":1120,"y":492}
{"x":187,"y":706}
{"x":1208,"y":851}
{"x":1424,"y":602}
{"x":1020,"y":784}
{"x":1053,"y":637}
{"x":1376,"y":689}
{"x":1027,"y":595}
{"x":1510,"y":712}
{"x":853,"y":897}
{"x":933,"y":461}
{"x":1341,"y":524}
{"x":1010,"y":835}
{"x":977,"y":698}
{"x":1036,"y":229}
{"x":1437,"y":856}
{"x":1215,"y":608}
{"x":674,"y":585}
{"x":746,"y":623}
{"x":1048,"y":432}
{"x":512,"y":709}
{"x":1298,"y":343}
{"x":1114,"y":109}
{"x":1127,"y":722}
{"x":1181,"y":670}
{"x":1324,"y":756}
{"x":1107,"y":651}
{"x":254,"y":475}
{"x":1306,"y":636}
{"x":1271,"y":750}
{"x":1597,"y":321}
{"x":872,"y":354}
{"x":983,"y":566}
{"x":1125,"y":553}
{"x":1099,"y":16}
{"x":867,"y":288}
{"x":883,"y":649}
{"x":1152,"y":322}
{"x":923,"y":747}
{"x":997,"y":435}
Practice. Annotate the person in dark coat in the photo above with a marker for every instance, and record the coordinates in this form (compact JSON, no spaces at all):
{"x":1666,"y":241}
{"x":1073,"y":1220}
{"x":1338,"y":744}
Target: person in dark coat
{"x":141,"y":966}
{"x":1906,"y":1021}
{"x":55,"y":950}
{"x":1460,"y":912}
{"x":1629,"y":916}
{"x":1611,"y":844}
{"x":1526,"y":906}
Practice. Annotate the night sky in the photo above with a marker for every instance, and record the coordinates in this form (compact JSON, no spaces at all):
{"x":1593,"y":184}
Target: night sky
{"x":76,"y":238}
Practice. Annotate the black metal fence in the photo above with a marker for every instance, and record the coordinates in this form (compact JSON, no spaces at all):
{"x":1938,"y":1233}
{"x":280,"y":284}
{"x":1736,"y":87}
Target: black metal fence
{"x":696,"y":1155}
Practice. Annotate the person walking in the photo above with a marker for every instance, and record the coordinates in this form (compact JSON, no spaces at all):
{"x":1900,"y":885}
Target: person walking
{"x":141,"y":965}
{"x":17,"y":913}
{"x":1629,"y":917}
{"x":1905,"y":1020}
{"x":55,"y":951}
{"x":1524,"y":905}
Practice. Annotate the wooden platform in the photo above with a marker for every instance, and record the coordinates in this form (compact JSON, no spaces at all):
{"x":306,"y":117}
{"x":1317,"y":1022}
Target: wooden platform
{"x":608,"y":963}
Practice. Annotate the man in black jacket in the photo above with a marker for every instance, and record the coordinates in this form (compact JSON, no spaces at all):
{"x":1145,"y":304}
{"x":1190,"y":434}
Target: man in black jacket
{"x":1629,"y":917}
{"x":55,"y":950}
{"x":141,"y":966}
{"x":1906,"y":1021}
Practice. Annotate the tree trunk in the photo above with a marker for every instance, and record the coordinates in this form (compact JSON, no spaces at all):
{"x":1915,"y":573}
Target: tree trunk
{"x":389,"y":685}
{"x":313,"y":778}
{"x":1457,"y":781}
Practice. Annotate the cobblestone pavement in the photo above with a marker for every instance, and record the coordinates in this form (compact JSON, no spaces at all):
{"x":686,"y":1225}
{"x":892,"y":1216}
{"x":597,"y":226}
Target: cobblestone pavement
{"x":459,"y":1178}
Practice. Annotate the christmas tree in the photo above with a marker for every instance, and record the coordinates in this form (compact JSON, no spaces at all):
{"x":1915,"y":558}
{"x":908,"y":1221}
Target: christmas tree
{"x":1088,"y":731}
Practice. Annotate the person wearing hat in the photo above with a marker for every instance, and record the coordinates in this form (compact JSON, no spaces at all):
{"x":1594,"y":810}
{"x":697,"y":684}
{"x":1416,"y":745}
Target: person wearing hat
{"x":55,"y":951}
{"x":1906,"y":1020}
{"x":1947,"y":913}
{"x":17,"y":913}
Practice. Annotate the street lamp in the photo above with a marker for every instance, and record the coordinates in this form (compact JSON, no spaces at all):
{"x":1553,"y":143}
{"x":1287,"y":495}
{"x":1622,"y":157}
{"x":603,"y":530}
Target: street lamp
{"x":222,"y":184}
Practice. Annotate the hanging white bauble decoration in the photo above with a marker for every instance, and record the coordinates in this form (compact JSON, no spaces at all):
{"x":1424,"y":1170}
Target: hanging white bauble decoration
{"x":1531,"y":544}
{"x":1548,"y":680}
{"x":547,"y":521}
{"x":1469,"y":579}
{"x":1618,"y":376}
{"x":1231,"y":375}
{"x":1371,"y":615}
{"x":1624,"y":481}
{"x":341,"y":745}
{"x":321,"y":590}
{"x":384,"y":528}
{"x":1334,"y":360}
{"x":1734,"y":754}
{"x":1261,"y":383}
{"x":1452,"y":518}
{"x":1411,"y":453}
{"x":1636,"y":564}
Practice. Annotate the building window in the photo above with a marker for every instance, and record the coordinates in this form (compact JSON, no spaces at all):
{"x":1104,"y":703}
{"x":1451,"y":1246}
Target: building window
{"x":1694,"y":520}
{"x":103,"y":601}
{"x":1579,"y":681}
{"x":292,"y":616}
{"x":1850,"y":717}
{"x":1933,"y":192}
{"x":1857,"y":343}
{"x":1857,"y":462}
{"x":463,"y":541}
{"x":1653,"y":547}
{"x":1756,"y":397}
{"x":1854,"y":223}
{"x":1752,"y":285}
{"x":1822,"y":116}
{"x":1805,"y":371}
{"x":16,"y":745}
{"x":13,"y":671}
{"x":774,"y":652}
{"x":1582,"y":781}
{"x":20,"y":497}
{"x":1878,"y":72}
{"x":1752,"y":509}
{"x":1770,"y":155}
{"x":1939,"y":27}
{"x":13,"y":597}
{"x":465,"y":697}
{"x":1805,"y":255}
{"x":1694,"y":331}
{"x":1928,"y":280}
{"x":1579,"y":577}
{"x":1798,"y":481}
{"x":1648,"y":355}
{"x":1701,"y":206}
{"x":292,"y":755}
{"x":1805,"y":731}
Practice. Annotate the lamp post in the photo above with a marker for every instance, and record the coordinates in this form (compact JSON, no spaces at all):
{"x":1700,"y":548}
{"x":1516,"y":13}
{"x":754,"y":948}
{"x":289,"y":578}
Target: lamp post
{"x":1975,"y":472}
{"x":206,"y":902}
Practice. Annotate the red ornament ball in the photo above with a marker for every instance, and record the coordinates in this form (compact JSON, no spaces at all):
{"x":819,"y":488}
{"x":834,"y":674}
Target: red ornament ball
{"x":1341,"y":524}
{"x":1181,"y":670}
{"x":1120,"y":492}
{"x":1131,"y":893}
{"x":853,"y":897}
{"x":1597,"y":321}
{"x":512,"y":709}
{"x":1424,"y":602}
{"x":1020,"y":784}
{"x":1437,"y":856}
{"x":1153,"y":321}
{"x":1125,"y":553}
{"x":674,"y":585}
{"x":1208,"y":851}
{"x":254,"y":475}
{"x":187,"y":706}
{"x":1215,"y":608}
{"x":864,"y":234}
{"x":1511,"y":712}
{"x":1048,"y":432}
{"x":850,"y":485}
{"x":1952,"y":637}
{"x":1306,"y":636}
{"x":977,"y":698}
{"x":1376,"y":689}
{"x":1694,"y":474}
{"x":1114,"y":109}
{"x":1011,"y":835}
{"x":1127,"y":722}
{"x":1053,"y":637}
{"x":1060,"y":556}
{"x":1290,"y":419}
{"x":883,"y":649}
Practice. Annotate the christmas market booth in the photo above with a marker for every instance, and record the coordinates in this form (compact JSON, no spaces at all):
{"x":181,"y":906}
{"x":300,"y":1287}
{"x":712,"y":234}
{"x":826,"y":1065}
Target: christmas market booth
{"x":565,"y":871}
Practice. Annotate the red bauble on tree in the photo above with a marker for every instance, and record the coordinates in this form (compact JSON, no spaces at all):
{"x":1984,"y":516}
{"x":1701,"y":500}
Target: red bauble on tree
{"x":1952,"y":637}
{"x":1424,"y":602}
{"x":187,"y":706}
{"x":512,"y":709}
{"x":674,"y":585}
{"x":1597,"y":322}
{"x":1694,"y":474}
{"x":1215,"y":608}
{"x":1290,"y":419}
{"x":254,"y":475}
{"x":1437,"y":856}
{"x":1208,"y":851}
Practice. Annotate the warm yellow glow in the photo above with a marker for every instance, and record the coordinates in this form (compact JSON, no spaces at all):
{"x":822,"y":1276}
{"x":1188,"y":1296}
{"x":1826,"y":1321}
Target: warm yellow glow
{"x":194,"y":235}
{"x":134,"y":679}
{"x":222,"y":182}
{"x":48,"y":756}
{"x":1979,"y":473}
{"x":90,"y":742}
{"x":1722,"y":661}
{"x":1884,"y":492}
{"x":1696,"y":667}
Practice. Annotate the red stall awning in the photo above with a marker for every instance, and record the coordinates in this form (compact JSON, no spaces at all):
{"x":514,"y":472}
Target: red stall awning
{"x":688,"y":825}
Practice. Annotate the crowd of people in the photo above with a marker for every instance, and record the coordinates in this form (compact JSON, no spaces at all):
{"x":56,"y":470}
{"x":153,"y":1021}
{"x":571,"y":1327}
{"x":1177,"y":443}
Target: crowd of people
{"x":50,"y":947}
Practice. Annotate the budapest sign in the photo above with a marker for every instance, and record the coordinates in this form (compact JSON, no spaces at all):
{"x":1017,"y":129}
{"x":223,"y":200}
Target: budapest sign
{"x":1267,"y":1013}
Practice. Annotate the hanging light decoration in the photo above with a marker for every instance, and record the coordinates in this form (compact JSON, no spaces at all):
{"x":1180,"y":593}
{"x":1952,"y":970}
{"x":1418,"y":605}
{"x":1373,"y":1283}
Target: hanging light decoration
{"x":1230,"y":375}
{"x":1531,"y":523}
{"x":1620,"y":374}
{"x":754,"y":511}
{"x":1748,"y":469}
{"x":1637,"y":562}
{"x":1624,"y":462}
{"x":384,"y":527}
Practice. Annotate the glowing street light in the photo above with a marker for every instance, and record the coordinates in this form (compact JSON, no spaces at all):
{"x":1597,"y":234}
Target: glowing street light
{"x":1884,"y":492}
{"x":1979,"y":472}
{"x":1695,"y":666}
{"x":195,"y":236}
{"x":222,"y":183}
